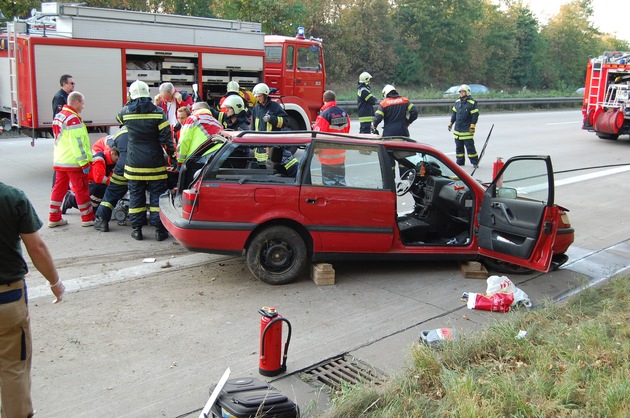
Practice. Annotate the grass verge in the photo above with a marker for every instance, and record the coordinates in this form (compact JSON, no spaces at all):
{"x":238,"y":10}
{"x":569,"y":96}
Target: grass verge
{"x":573,"y":362}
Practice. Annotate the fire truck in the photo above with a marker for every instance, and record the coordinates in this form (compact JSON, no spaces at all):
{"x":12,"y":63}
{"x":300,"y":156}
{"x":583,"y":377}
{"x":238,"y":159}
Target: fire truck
{"x":606,"y":105}
{"x":105,"y":50}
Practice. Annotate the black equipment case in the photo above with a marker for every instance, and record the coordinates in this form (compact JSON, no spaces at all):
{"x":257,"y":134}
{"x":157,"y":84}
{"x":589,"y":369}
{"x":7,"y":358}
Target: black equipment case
{"x":250,"y":397}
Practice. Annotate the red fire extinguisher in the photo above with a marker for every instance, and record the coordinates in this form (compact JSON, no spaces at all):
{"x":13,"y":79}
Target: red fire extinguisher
{"x":271,"y":342}
{"x":496,"y":167}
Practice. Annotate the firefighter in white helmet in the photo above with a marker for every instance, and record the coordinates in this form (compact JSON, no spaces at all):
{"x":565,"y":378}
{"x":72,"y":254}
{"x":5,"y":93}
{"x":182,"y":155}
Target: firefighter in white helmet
{"x":149,"y":133}
{"x":267,"y":114}
{"x":396,"y":112}
{"x":365,"y":103}
{"x":464,"y":116}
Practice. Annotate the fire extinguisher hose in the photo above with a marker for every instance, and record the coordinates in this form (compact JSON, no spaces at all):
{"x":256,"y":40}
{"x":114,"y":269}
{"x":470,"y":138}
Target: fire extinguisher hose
{"x":286,"y":345}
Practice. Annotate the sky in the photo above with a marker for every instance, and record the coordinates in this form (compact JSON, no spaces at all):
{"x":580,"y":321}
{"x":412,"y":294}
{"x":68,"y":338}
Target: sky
{"x":610,"y":16}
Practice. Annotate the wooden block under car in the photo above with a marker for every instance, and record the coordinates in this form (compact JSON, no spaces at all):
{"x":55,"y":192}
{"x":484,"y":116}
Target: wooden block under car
{"x":473,"y":270}
{"x":323,"y":274}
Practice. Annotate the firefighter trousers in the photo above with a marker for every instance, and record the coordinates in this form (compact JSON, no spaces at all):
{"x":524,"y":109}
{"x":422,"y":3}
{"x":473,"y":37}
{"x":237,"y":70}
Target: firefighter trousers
{"x":138,"y":190}
{"x":469,"y":145}
{"x":113,"y":194}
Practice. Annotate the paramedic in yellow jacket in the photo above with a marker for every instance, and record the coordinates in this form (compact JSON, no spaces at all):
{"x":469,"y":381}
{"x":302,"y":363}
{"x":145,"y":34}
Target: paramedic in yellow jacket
{"x":72,"y":157}
{"x":197,"y":129}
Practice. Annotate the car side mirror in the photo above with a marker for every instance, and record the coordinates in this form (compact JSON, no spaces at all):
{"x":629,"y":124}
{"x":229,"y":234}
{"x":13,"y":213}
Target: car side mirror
{"x":506,"y":193}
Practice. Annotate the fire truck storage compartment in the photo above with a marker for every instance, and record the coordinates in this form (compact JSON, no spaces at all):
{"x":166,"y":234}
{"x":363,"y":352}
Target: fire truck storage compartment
{"x":86,"y":64}
{"x":156,"y":67}
{"x":219,"y":69}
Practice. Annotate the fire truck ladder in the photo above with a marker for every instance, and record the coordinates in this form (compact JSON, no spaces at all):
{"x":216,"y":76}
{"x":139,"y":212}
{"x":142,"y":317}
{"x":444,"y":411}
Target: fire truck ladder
{"x":13,"y":81}
{"x":594,"y":82}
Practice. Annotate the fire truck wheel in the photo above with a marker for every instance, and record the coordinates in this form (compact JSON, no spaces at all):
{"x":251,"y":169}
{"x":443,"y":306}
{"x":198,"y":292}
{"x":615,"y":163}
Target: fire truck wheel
{"x":612,"y":137}
{"x":277,"y":255}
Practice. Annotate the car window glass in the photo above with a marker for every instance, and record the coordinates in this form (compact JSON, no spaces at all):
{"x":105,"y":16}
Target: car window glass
{"x":346,"y":165}
{"x":261,"y":163}
{"x":528,"y":178}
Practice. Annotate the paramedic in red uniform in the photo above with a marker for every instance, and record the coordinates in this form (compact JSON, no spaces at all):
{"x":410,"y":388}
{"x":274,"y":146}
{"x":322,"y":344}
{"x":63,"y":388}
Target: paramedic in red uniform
{"x":72,"y":157}
{"x":332,"y":118}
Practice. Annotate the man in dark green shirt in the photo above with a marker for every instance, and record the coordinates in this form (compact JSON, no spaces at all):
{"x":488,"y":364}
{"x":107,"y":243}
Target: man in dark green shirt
{"x":18,"y":221}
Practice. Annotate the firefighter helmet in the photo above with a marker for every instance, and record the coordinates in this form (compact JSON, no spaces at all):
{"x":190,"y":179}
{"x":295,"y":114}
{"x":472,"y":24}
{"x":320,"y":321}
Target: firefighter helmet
{"x":233,"y":86}
{"x":235,"y":102}
{"x":365,"y":77}
{"x":139,"y":89}
{"x":261,"y":88}
{"x":388,"y":89}
{"x":466,"y":88}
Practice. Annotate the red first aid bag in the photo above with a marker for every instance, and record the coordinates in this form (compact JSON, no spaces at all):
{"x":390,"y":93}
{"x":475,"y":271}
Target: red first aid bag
{"x":497,"y":302}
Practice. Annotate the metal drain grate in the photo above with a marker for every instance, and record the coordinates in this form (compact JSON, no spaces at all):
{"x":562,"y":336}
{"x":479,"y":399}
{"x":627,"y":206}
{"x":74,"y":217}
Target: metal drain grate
{"x":345,"y":369}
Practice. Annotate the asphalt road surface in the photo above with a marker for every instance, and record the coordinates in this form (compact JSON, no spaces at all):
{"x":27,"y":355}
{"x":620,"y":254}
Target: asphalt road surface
{"x":138,"y":339}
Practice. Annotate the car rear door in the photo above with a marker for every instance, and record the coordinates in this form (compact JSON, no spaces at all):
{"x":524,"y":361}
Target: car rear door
{"x":518,"y":219}
{"x":348,"y":207}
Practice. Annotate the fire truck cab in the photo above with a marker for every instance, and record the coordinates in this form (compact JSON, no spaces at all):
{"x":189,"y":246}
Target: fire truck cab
{"x":606,"y":104}
{"x":105,"y":50}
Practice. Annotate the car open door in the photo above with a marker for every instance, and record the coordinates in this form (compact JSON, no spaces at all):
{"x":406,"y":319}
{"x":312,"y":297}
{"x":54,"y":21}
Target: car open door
{"x":518,"y":219}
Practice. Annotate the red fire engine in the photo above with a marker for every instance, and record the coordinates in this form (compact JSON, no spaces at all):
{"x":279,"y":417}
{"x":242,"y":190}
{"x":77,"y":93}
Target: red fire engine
{"x":606,"y":105}
{"x":105,"y":50}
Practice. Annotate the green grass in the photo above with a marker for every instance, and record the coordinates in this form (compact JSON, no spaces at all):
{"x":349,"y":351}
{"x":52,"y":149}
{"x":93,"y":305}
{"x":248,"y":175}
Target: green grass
{"x":574,"y":362}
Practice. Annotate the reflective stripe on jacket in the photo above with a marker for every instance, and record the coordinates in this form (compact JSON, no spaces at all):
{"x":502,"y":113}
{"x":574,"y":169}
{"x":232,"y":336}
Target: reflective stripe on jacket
{"x":332,"y":118}
{"x":397,"y":113}
{"x":365,"y":103}
{"x":464,"y":113}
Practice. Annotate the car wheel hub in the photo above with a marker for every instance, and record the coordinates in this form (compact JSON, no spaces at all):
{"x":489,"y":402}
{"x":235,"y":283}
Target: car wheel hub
{"x":277,"y":256}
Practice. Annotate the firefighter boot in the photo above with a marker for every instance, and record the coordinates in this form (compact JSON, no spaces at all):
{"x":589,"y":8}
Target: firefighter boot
{"x":161,"y":234}
{"x":137,"y":233}
{"x":101,"y":224}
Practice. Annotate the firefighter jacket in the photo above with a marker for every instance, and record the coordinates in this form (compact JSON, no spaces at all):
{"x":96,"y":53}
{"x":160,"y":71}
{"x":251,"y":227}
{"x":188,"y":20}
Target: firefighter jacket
{"x":464,"y":114}
{"x":148,"y":131}
{"x":332,"y":118}
{"x":365,"y":103}
{"x":278,"y":118}
{"x":72,"y":143}
{"x":101,"y":167}
{"x":121,"y":140}
{"x":241,"y":123}
{"x":397,"y":113}
{"x":198,"y":128}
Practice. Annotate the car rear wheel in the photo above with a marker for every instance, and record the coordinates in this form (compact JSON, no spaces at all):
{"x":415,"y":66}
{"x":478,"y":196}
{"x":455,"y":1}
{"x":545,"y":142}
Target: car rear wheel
{"x":277,"y":255}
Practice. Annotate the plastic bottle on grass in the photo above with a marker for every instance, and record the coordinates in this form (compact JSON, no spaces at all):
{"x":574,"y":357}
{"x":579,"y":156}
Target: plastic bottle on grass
{"x":434,"y":337}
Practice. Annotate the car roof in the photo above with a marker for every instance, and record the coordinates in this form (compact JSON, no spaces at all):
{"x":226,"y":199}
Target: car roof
{"x":306,"y":137}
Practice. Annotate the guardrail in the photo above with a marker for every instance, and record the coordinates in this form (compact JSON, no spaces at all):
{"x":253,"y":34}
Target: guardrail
{"x":510,"y":102}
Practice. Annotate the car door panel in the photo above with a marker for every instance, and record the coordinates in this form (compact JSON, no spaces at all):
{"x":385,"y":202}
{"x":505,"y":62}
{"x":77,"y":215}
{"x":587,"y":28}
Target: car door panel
{"x":520,"y":230}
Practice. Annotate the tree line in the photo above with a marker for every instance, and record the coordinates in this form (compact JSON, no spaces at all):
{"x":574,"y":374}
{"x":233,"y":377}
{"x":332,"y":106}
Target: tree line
{"x":421,"y":43}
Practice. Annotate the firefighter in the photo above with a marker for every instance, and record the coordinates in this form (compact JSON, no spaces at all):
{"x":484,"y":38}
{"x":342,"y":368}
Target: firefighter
{"x":396,"y":112}
{"x":170,"y":99}
{"x":117,"y":187}
{"x":267,"y":115}
{"x":464,"y":115}
{"x":72,"y":159}
{"x":332,"y":118}
{"x":235,"y":117}
{"x":145,"y":169}
{"x":199,"y":127}
{"x":365,"y":103}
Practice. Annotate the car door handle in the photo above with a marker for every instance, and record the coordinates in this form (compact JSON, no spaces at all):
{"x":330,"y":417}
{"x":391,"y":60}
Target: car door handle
{"x":311,"y":201}
{"x":507,"y":213}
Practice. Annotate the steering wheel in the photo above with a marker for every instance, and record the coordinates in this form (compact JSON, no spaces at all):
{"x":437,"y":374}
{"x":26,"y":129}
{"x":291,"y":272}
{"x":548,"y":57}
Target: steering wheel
{"x":406,"y":181}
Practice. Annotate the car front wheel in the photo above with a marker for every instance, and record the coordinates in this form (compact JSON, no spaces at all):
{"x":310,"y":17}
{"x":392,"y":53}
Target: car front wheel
{"x":277,"y":255}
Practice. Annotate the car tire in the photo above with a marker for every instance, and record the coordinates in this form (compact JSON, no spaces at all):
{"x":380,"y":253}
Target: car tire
{"x":277,"y":255}
{"x":504,"y":267}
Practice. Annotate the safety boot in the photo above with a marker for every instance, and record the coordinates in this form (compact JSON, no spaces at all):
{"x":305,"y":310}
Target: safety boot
{"x":137,"y":234}
{"x":161,"y":234}
{"x":101,"y":225}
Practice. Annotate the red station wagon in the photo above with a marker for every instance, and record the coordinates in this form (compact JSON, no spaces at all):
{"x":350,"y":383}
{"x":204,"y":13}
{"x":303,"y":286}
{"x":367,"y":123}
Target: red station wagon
{"x":390,"y":198}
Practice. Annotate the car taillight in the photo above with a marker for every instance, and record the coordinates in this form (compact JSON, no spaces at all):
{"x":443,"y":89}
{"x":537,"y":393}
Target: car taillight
{"x":189,"y":201}
{"x":565,"y":219}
